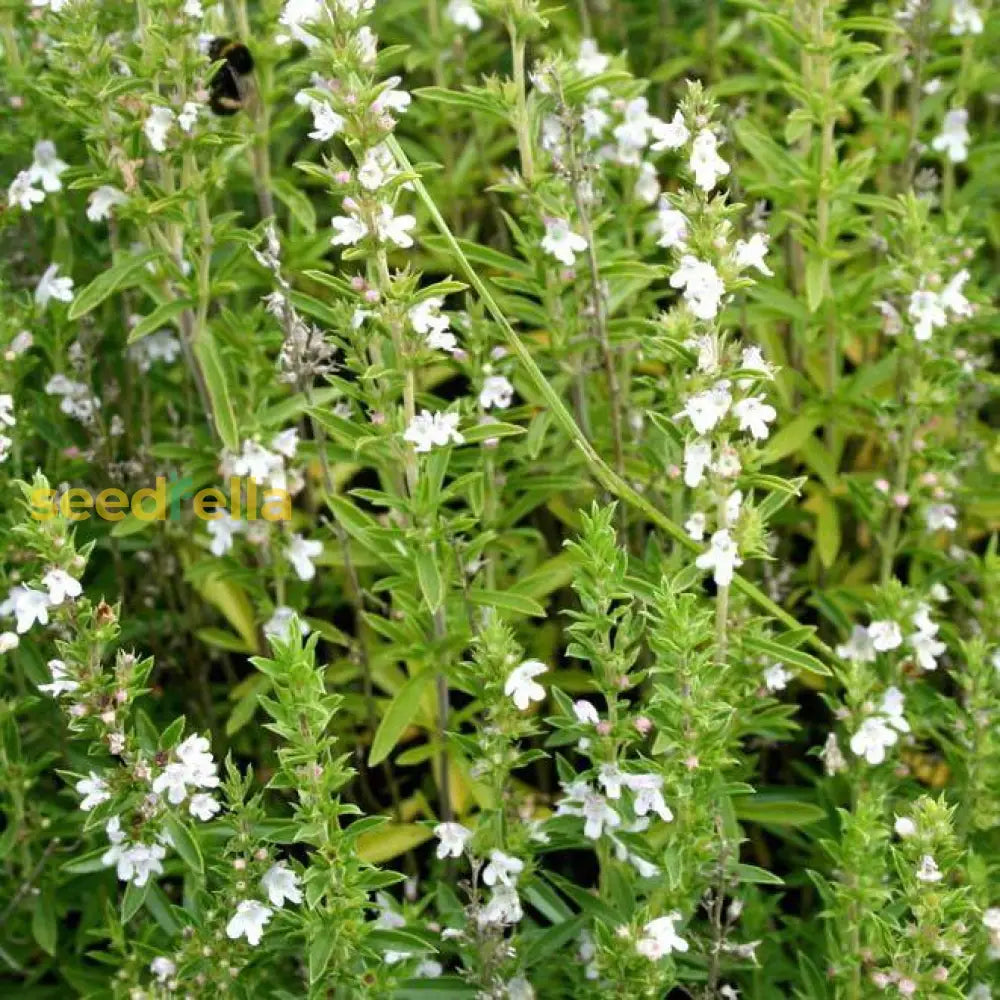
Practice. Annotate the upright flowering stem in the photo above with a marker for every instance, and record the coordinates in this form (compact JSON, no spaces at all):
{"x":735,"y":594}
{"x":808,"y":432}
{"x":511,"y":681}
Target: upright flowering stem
{"x":899,"y":486}
{"x":523,"y":123}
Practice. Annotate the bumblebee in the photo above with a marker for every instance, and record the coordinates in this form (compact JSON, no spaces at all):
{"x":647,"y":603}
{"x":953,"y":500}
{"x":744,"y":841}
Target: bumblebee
{"x":231,"y":85}
{"x":928,"y":768}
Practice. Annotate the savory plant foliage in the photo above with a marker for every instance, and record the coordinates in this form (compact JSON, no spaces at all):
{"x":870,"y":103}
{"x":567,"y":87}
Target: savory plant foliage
{"x":500,"y":500}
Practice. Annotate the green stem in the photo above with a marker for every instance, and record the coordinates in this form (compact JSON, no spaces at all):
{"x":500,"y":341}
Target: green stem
{"x":523,"y":123}
{"x":608,"y":478}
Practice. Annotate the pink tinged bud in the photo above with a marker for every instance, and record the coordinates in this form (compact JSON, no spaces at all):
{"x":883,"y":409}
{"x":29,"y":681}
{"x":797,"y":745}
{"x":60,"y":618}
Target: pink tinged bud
{"x":882,"y":485}
{"x":491,"y":443}
{"x":121,"y":696}
{"x":929,"y":479}
{"x":239,"y":864}
{"x":940,"y":493}
{"x":358,"y":283}
{"x":342,"y":177}
{"x":881,"y":980}
{"x":371,"y":295}
{"x":673,"y":472}
{"x":350,"y":204}
{"x":940,"y":974}
{"x":459,"y":355}
{"x":623,"y":682}
{"x":901,"y":500}
{"x":603,"y":728}
{"x":260,"y":854}
{"x":643,"y":725}
{"x":691,"y":763}
{"x":378,"y":418}
{"x":17,"y":102}
{"x":906,"y":986}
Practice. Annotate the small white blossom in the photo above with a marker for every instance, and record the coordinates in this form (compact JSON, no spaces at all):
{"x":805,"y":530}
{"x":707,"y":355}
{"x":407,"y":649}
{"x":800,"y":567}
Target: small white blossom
{"x":660,"y":938}
{"x":585,"y":712}
{"x":776,"y":677}
{"x":156,"y":127}
{"x":281,"y":885}
{"x":223,"y":528}
{"x":706,"y":408}
{"x":502,"y":868}
{"x":61,"y":683}
{"x":326,"y":122}
{"x":885,"y":635}
{"x":301,"y":552}
{"x":647,"y":789}
{"x":751,"y":253}
{"x":279,"y":625}
{"x":695,"y":526}
{"x":521,"y":686}
{"x":452,"y":837}
{"x":928,"y":870}
{"x":670,"y":226}
{"x":697,"y":458}
{"x":395,"y":228}
{"x":647,"y":187}
{"x":94,"y":790}
{"x":669,"y":135}
{"x":27,"y":606}
{"x":428,"y":430}
{"x":927,"y":312}
{"x":940,"y":517}
{"x":188,"y":116}
{"x":705,"y":162}
{"x":859,"y":647}
{"x":23,"y":194}
{"x":496,"y":392}
{"x":249,"y":921}
{"x":462,"y":14}
{"x":46,"y":167}
{"x":722,"y":557}
{"x":561,"y":242}
{"x":754,"y":415}
{"x":102,"y":200}
{"x":162,"y":968}
{"x":965,"y":19}
{"x":591,"y":61}
{"x":51,"y":286}
{"x":9,"y":641}
{"x":203,"y":806}
{"x":904,"y":827}
{"x":347,"y":230}
{"x":953,"y":140}
{"x":503,"y":907}
{"x":296,"y":15}
{"x":61,"y":585}
{"x":703,"y":288}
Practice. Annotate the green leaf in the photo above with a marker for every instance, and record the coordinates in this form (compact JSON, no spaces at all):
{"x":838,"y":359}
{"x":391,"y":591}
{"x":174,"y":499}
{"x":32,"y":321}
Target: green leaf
{"x":133,"y":899}
{"x":488,"y":431}
{"x":787,"y":655}
{"x":320,"y":950}
{"x":212,"y":369}
{"x":815,"y":283}
{"x":185,"y":845}
{"x":401,"y":712}
{"x":431,"y":584}
{"x":827,"y":528}
{"x":158,"y":318}
{"x":507,"y":601}
{"x":776,"y":810}
{"x":44,"y":928}
{"x":790,"y":438}
{"x":297,"y":203}
{"x":124,"y":274}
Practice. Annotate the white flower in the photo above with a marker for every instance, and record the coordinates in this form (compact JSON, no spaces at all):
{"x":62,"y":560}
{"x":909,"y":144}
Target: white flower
{"x":859,"y":647}
{"x":94,"y":790}
{"x":46,"y":167}
{"x":203,"y":806}
{"x":326,"y":122}
{"x":133,"y":862}
{"x":281,"y":884}
{"x":904,"y":826}
{"x":940,"y":517}
{"x":60,"y":585}
{"x":611,"y":778}
{"x":188,"y":116}
{"x":703,"y":288}
{"x":159,"y":346}
{"x":873,"y":737}
{"x":647,"y":187}
{"x":502,"y":868}
{"x":705,"y":162}
{"x":300,"y":552}
{"x":594,"y":121}
{"x":261,"y":465}
{"x":590,"y":61}
{"x":928,"y":870}
{"x":51,"y":286}
{"x":885,"y":635}
{"x":660,"y":938}
{"x":520,"y":685}
{"x":503,"y":907}
{"x":927,"y":312}
{"x":61,"y":681}
{"x":722,"y":558}
{"x":754,"y":415}
{"x":28,"y":606}
{"x":953,"y":299}
{"x":249,"y":921}
{"x":193,"y":9}
{"x":647,"y":789}
{"x":585,"y":712}
{"x":561,"y":242}
{"x":22,"y":193}
{"x":776,"y":677}
{"x":395,"y":228}
{"x":520,"y":989}
{"x":695,"y":526}
{"x":7,"y":417}
{"x":223,"y":528}
{"x":462,"y":14}
{"x":670,"y":226}
{"x":377,"y":167}
{"x":9,"y":641}
{"x":390,"y":98}
{"x":156,"y":127}
{"x":279,"y":625}
{"x":428,"y":430}
{"x":497,"y":391}
{"x":632,"y":133}
{"x":697,"y":457}
{"x":892,"y":707}
{"x":286,"y":442}
{"x":953,"y":139}
{"x":452,"y":837}
{"x":162,"y":968}
{"x":965,"y":19}
{"x":102,"y":200}
{"x":751,"y":253}
{"x":706,"y":408}
{"x":426,"y":318}
{"x":347,"y":230}
{"x":295,"y":16}
{"x":926,"y":649}
{"x":669,"y":135}
{"x":980,"y":991}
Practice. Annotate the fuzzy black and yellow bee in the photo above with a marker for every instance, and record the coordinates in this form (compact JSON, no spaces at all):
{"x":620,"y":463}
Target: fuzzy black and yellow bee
{"x":231,"y":86}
